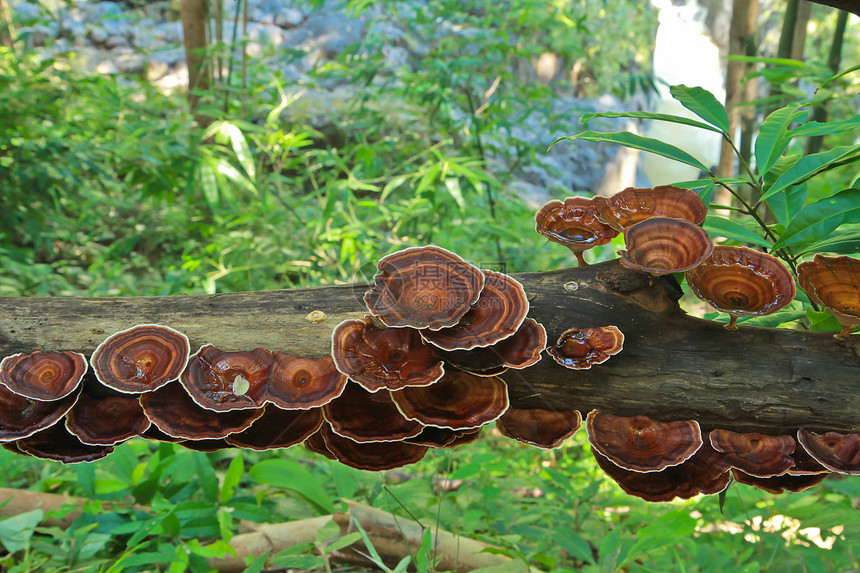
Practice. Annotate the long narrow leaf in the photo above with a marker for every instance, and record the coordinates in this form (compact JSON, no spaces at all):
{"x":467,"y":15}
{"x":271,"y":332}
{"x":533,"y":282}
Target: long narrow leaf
{"x":773,"y":136}
{"x":814,"y":128}
{"x":821,"y":218}
{"x":730,"y":229}
{"x":703,"y":103}
{"x":648,"y":115}
{"x":634,"y":141}
{"x":810,"y":165}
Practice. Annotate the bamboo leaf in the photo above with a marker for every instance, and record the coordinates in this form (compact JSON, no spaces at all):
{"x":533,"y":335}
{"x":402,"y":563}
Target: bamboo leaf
{"x":703,"y":103}
{"x":634,"y":141}
{"x":821,"y":218}
{"x":649,"y":115}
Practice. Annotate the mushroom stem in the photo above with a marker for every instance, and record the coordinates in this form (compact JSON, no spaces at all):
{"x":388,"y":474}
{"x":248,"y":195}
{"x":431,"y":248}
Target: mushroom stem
{"x":843,"y":334}
{"x":731,"y":325}
{"x":580,"y":259}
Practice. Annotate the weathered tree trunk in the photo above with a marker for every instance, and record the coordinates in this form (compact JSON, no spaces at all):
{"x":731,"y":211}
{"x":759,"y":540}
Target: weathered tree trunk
{"x":834,"y":59}
{"x":194,"y":15}
{"x":672,"y":367}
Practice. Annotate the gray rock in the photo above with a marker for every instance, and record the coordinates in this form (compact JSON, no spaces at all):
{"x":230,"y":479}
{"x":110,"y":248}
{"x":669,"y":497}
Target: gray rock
{"x":98,"y":35}
{"x":131,"y":63}
{"x":289,"y":18}
{"x":98,"y":11}
{"x":116,"y":41}
{"x":169,"y":32}
{"x":27,"y":14}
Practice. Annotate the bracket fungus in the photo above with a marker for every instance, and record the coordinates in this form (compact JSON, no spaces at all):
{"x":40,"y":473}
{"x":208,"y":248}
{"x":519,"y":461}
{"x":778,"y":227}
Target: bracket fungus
{"x":742,"y":282}
{"x":758,"y":455}
{"x":141,"y":358}
{"x":778,"y":484}
{"x":21,"y":417}
{"x":458,"y":401}
{"x":541,"y":428}
{"x":56,"y":443}
{"x":498,"y":313}
{"x":43,"y":376}
{"x":641,"y":444}
{"x":436,"y":438}
{"x":574,"y":223}
{"x":423,"y":287}
{"x":631,"y":206}
{"x":223,"y":381}
{"x":371,"y":456}
{"x":378,"y":358}
{"x":364,"y":416}
{"x":662,"y":245}
{"x":519,"y":351}
{"x":297,"y":383}
{"x":581,"y":348}
{"x":837,"y":452}
{"x":834,"y":283}
{"x":278,"y":428}
{"x":106,"y":421}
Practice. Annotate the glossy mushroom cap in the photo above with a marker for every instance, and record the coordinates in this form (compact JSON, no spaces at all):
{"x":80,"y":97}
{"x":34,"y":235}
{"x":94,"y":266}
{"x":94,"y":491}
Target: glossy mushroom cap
{"x":365,"y":416}
{"x":742,"y":282}
{"x":837,"y":452}
{"x":423,"y":287}
{"x":634,"y":205}
{"x":383,"y":358}
{"x":519,"y":351}
{"x":834,"y":283}
{"x":58,"y":444}
{"x":641,"y":444}
{"x":541,"y":428}
{"x":43,"y":376}
{"x":498,"y":314}
{"x":778,"y":484}
{"x":297,"y":383}
{"x":21,"y":417}
{"x":574,"y":224}
{"x":141,"y":358}
{"x":223,"y":381}
{"x":434,"y":437}
{"x":705,"y":472}
{"x":106,"y":421}
{"x":758,"y":455}
{"x":371,"y":456}
{"x":581,"y":348}
{"x":458,"y":401}
{"x":316,"y":443}
{"x":278,"y":428}
{"x":661,"y":245}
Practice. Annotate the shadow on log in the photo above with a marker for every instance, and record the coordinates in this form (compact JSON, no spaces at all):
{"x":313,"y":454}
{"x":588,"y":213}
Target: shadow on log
{"x":672,"y":367}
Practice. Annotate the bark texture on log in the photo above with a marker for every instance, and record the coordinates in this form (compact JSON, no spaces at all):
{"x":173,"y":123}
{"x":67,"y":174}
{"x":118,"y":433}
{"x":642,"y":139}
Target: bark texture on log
{"x":672,"y":367}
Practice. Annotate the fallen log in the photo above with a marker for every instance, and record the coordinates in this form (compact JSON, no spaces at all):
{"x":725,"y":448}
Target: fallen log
{"x":673,"y":366}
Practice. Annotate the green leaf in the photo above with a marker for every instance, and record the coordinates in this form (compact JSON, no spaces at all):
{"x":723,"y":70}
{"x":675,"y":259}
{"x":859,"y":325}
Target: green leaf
{"x":773,"y":136}
{"x":258,"y":564}
{"x":452,"y":184}
{"x":229,"y":132}
{"x":649,"y":115}
{"x":16,"y":531}
{"x":232,"y":478}
{"x":731,"y":229}
{"x":344,"y":541}
{"x":663,"y":531}
{"x":206,"y":476}
{"x":814,"y":128}
{"x":574,"y":545}
{"x":703,"y":103}
{"x":329,"y":530}
{"x":785,"y":206}
{"x":292,"y":476}
{"x":634,"y":141}
{"x":817,"y":220}
{"x":808,"y":166}
{"x":842,"y":241}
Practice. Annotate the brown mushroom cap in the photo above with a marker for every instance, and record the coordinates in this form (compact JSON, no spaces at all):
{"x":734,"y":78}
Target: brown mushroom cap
{"x":21,"y":417}
{"x":365,"y":416}
{"x":634,"y":205}
{"x":805,"y":464}
{"x":223,"y":381}
{"x":834,"y":283}
{"x":141,"y":358}
{"x":297,"y":383}
{"x":581,"y":348}
{"x":278,"y":428}
{"x":378,"y":358}
{"x":58,"y":444}
{"x":498,"y":314}
{"x":837,"y":452}
{"x":758,"y":455}
{"x":778,"y":484}
{"x":371,"y":456}
{"x":541,"y":428}
{"x":316,"y":443}
{"x":661,"y":245}
{"x":43,"y":376}
{"x":705,"y":472}
{"x":641,"y":444}
{"x":574,"y":224}
{"x":519,"y":351}
{"x":106,"y":421}
{"x":423,"y":287}
{"x":458,"y":401}
{"x":742,"y":282}
{"x":175,"y":413}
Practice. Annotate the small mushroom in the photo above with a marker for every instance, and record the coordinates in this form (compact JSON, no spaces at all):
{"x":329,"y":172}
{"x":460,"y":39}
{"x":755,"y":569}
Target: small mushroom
{"x":758,"y":455}
{"x":106,"y":421}
{"x":581,"y":348}
{"x":56,"y":443}
{"x":634,"y":205}
{"x":43,"y":376}
{"x":297,"y":383}
{"x":778,"y":484}
{"x":837,"y":452}
{"x":519,"y":351}
{"x":141,"y":358}
{"x":498,"y":314}
{"x":174,"y":412}
{"x":704,"y":473}
{"x":661,"y":245}
{"x":223,"y":381}
{"x":371,"y":456}
{"x":458,"y":401}
{"x":574,"y":224}
{"x":641,"y":444}
{"x":21,"y":417}
{"x":742,"y":282}
{"x":383,"y":358}
{"x":541,"y":428}
{"x":365,"y":416}
{"x":423,"y":287}
{"x":834,"y":283}
{"x":278,"y":428}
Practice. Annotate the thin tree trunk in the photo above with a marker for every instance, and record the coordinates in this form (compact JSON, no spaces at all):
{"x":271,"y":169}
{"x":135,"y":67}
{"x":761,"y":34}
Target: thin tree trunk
{"x":194,"y":15}
{"x":7,"y":27}
{"x":834,"y":59}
